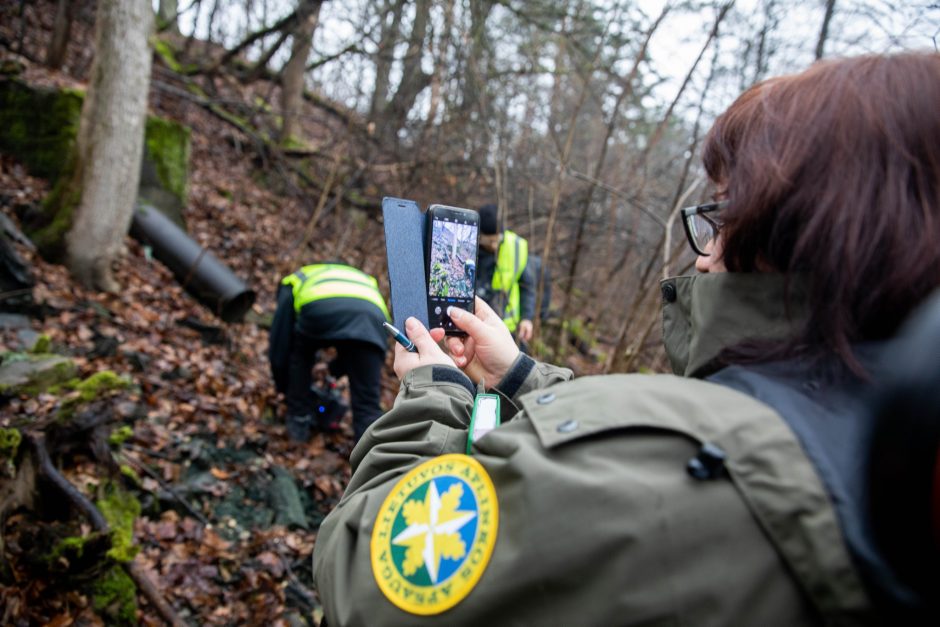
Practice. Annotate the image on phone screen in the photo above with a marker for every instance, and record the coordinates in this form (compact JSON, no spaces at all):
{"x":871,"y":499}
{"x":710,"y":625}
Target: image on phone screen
{"x":452,"y":257}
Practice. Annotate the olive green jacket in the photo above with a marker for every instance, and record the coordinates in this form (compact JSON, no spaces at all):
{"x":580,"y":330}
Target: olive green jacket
{"x":599,"y":521}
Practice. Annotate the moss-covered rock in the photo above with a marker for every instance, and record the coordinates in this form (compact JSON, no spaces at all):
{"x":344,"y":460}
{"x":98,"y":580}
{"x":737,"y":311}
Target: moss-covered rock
{"x":30,"y":374}
{"x":165,"y":168}
{"x":38,"y":126}
{"x":43,"y":344}
{"x":94,"y":387}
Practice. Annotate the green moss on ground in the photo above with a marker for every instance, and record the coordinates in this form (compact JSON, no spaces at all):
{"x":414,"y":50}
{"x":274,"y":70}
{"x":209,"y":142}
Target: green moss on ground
{"x":72,"y":546}
{"x":58,"y":207}
{"x":166,"y":52}
{"x":95,"y":386}
{"x":10,"y":440}
{"x":120,"y":508}
{"x":120,"y":435}
{"x":130,"y":473}
{"x":43,"y":344}
{"x":114,"y":597}
{"x":48,"y":376}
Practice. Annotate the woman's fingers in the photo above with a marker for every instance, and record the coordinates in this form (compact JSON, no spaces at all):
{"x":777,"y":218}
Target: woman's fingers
{"x":418,"y":334}
{"x":466,"y":321}
{"x":428,"y":350}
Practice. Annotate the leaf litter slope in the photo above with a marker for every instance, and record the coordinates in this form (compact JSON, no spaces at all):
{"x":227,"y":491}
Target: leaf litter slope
{"x":205,"y":441}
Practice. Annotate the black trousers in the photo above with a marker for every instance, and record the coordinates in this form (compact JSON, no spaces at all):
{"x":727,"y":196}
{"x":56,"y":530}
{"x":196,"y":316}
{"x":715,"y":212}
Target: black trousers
{"x":362,"y":362}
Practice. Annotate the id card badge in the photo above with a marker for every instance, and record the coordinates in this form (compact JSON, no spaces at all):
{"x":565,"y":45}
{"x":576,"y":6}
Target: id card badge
{"x":484,"y":419}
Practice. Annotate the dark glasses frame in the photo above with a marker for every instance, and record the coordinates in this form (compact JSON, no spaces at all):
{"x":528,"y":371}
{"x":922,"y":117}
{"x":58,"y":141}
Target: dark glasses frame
{"x":689,"y":213}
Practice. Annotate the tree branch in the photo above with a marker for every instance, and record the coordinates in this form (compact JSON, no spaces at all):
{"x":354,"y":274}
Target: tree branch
{"x":99,"y":523}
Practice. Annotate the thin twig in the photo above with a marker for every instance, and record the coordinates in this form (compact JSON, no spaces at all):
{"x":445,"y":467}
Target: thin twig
{"x":166,"y":486}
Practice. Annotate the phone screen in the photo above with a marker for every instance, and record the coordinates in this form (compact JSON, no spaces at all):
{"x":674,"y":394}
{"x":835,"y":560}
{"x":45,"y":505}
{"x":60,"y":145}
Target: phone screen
{"x":453,"y":236}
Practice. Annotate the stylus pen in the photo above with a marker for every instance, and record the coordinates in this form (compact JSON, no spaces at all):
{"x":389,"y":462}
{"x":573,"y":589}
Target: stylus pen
{"x":400,"y":337}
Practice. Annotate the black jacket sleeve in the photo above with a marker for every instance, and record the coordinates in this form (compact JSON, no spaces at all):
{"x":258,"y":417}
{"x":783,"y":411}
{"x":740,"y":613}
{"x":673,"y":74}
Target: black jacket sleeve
{"x":279,"y":341}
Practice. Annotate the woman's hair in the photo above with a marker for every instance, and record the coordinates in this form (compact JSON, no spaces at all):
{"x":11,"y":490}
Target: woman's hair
{"x":834,"y":174}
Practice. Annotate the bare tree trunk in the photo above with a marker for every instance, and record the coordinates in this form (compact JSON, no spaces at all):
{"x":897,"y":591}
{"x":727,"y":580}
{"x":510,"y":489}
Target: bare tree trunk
{"x":413,"y":78}
{"x":110,"y":139}
{"x":385,"y":56}
{"x":61,"y":30}
{"x":824,"y":30}
{"x":440,"y":60}
{"x":476,"y":61}
{"x":292,"y":83}
{"x":167,"y":16}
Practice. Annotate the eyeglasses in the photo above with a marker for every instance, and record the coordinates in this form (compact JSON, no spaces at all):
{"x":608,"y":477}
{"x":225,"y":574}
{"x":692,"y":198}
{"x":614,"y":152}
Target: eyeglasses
{"x":700,"y":228}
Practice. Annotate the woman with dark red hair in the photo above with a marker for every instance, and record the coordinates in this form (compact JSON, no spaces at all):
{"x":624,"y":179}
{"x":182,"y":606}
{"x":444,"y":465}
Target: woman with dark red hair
{"x":737,"y":493}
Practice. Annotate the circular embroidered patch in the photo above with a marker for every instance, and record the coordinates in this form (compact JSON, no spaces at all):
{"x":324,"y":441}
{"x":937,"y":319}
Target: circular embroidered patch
{"x":434,"y":534}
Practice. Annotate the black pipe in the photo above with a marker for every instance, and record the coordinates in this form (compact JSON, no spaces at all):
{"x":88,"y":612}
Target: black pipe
{"x":209,"y":280}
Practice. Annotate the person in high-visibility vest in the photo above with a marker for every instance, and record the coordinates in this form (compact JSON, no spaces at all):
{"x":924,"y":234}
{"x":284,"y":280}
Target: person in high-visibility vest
{"x":504,"y":279}
{"x":328,"y":305}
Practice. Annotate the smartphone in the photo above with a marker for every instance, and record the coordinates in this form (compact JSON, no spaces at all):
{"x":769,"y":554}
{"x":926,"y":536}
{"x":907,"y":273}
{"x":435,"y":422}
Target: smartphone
{"x":452,"y":239}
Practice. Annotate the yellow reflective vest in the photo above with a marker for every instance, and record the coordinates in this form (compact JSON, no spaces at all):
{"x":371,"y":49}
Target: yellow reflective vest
{"x":510,"y":263}
{"x":331,"y":280}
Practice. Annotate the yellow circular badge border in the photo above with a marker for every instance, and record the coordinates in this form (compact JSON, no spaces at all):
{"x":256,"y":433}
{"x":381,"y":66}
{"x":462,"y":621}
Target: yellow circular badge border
{"x":466,"y":585}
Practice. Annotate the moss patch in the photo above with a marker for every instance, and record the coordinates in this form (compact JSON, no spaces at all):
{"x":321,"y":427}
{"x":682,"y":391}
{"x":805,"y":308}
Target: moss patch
{"x":120,"y":435}
{"x":58,"y":209}
{"x":9,"y":444}
{"x":69,"y":547}
{"x":120,"y":508}
{"x":114,"y":597}
{"x":94,"y":387}
{"x":168,"y":148}
{"x":38,"y":126}
{"x":30,"y":374}
{"x":43,"y":344}
{"x":165,"y":51}
{"x":9,"y":441}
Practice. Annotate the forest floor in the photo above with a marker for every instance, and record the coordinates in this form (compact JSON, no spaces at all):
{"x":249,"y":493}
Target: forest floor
{"x":217,"y":473}
{"x":230,"y":506}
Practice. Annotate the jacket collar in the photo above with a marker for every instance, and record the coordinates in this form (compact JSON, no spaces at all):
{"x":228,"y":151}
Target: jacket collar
{"x":707,"y":313}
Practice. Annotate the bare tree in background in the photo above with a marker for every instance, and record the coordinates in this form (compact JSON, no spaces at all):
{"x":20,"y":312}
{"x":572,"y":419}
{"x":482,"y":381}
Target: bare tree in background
{"x":110,"y":140}
{"x":292,"y":79}
{"x":61,"y":32}
{"x":167,"y":18}
{"x":390,"y":14}
{"x":824,"y":29}
{"x":413,"y":79}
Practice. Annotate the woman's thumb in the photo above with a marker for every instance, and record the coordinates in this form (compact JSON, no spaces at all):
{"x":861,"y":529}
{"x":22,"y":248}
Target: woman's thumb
{"x":418,"y":334}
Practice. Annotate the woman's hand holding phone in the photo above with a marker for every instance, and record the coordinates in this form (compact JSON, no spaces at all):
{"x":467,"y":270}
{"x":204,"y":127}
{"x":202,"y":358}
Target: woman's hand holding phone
{"x":488,"y":350}
{"x":429,"y":353}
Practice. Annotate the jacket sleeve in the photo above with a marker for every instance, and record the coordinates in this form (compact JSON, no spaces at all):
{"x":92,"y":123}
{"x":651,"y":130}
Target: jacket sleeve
{"x":527,"y":287}
{"x":279,"y":339}
{"x":526,"y":375}
{"x":430,"y":417}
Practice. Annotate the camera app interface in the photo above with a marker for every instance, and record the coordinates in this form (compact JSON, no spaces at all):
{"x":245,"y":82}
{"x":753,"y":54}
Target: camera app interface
{"x":451,"y":267}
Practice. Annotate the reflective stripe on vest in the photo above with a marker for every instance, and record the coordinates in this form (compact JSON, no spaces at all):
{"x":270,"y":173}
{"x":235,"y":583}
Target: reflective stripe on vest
{"x":510,"y":263}
{"x":328,"y":280}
